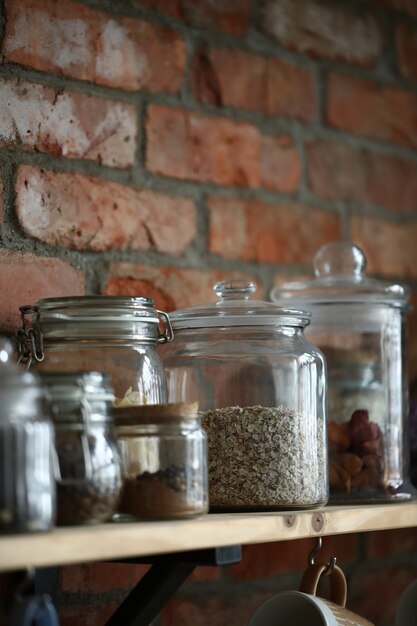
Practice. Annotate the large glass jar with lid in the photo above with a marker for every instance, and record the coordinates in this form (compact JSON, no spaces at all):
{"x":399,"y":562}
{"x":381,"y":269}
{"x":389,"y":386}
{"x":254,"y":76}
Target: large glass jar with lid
{"x":114,"y":334}
{"x":359,"y":324}
{"x":88,"y":472}
{"x":27,"y":481}
{"x":261,"y":387}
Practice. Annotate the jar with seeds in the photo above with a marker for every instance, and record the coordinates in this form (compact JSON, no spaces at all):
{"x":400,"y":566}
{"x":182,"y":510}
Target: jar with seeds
{"x":164,"y":462}
{"x":88,"y":461}
{"x":261,"y":387}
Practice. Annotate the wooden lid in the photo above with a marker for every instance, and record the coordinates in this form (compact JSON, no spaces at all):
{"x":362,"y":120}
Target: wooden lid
{"x":155,"y":413}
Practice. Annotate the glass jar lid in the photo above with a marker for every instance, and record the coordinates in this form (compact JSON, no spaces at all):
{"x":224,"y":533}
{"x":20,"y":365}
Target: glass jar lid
{"x":339,"y":269}
{"x":99,"y":308}
{"x":148,"y":414}
{"x":73,"y":394}
{"x":117,"y":319}
{"x":236,"y":308}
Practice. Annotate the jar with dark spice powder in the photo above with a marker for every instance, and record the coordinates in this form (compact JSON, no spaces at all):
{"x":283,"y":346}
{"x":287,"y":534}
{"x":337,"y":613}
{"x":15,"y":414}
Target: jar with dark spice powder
{"x":163,"y":453}
{"x":88,"y":461}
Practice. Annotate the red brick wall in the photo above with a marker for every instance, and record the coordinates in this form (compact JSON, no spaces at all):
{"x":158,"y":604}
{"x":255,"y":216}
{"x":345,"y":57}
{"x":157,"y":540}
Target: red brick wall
{"x":154,"y":146}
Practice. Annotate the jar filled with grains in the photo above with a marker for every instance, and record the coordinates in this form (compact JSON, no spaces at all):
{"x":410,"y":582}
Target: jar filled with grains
{"x":88,"y":460}
{"x":164,"y":462}
{"x":261,"y":389}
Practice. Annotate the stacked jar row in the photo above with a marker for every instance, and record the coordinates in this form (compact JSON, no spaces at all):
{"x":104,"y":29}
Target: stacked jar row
{"x":290,"y":400}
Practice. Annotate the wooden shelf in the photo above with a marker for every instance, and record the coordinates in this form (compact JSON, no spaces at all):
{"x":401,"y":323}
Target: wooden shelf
{"x":123,"y":540}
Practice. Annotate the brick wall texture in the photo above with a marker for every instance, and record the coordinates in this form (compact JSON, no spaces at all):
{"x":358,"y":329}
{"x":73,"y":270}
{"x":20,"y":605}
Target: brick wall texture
{"x":152,"y":147}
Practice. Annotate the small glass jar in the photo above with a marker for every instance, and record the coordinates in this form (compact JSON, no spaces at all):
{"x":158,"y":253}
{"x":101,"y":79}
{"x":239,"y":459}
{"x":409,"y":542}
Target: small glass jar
{"x":164,"y":462}
{"x":262,"y":388}
{"x":114,"y":334}
{"x":88,"y":467}
{"x":359,"y":324}
{"x":27,"y":483}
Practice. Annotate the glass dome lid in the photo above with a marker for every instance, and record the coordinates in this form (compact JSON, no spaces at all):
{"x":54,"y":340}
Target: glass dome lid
{"x":339,"y":269}
{"x":236,"y":308}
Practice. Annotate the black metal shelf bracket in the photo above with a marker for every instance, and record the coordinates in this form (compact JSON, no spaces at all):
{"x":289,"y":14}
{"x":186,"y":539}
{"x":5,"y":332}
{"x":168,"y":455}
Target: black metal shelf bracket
{"x":165,"y":577}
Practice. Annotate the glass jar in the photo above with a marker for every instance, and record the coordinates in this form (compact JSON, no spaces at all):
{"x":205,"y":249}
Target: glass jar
{"x":261,"y":386}
{"x":89,"y":476}
{"x":164,"y":461}
{"x":114,"y":334}
{"x":359,"y":325}
{"x":27,"y":483}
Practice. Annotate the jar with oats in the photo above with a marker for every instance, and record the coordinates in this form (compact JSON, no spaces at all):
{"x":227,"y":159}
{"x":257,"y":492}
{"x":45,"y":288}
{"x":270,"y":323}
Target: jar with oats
{"x":117,"y":335}
{"x":261,"y":389}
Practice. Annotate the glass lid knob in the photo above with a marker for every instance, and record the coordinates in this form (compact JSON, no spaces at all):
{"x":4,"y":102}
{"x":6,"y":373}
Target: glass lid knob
{"x":339,"y":259}
{"x":234,"y":289}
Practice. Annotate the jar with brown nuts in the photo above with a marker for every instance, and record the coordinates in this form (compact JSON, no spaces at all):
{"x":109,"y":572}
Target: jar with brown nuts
{"x":88,"y":461}
{"x":163,"y":453}
{"x":359,"y":324}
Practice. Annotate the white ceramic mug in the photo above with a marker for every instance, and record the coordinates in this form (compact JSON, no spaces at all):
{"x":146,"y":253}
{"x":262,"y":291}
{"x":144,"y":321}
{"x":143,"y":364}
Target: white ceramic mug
{"x":406,"y":614}
{"x":304,"y":608}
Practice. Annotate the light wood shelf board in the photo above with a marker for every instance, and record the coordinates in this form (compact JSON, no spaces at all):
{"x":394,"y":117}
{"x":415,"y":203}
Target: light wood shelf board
{"x":122,"y":540}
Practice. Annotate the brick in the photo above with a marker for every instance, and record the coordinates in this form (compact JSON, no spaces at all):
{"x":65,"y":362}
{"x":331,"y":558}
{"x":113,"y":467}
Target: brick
{"x":100,"y":577}
{"x":272,"y":86}
{"x":280,"y":164}
{"x":171,"y":287}
{"x":390,"y":248}
{"x":375,"y":594}
{"x":336,"y":170}
{"x":322,"y":28}
{"x":190,"y":146}
{"x":86,"y":615}
{"x":366,"y":108}
{"x":33,"y":278}
{"x":406,"y":48}
{"x":251,"y":230}
{"x":215,"y":610}
{"x":272,"y":559}
{"x":203,"y":574}
{"x":68,"y":38}
{"x":409,"y":7}
{"x":86,"y":213}
{"x":391,"y":543}
{"x":65,"y":123}
{"x":96,"y":578}
{"x":230,"y":16}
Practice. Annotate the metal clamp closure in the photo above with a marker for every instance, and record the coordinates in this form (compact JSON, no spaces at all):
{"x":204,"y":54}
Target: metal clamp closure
{"x":29,"y":337}
{"x":168,"y":333}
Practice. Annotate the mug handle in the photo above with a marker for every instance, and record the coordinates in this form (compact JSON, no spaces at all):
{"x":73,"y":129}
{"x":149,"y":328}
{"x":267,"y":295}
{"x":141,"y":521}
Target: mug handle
{"x":338,"y":586}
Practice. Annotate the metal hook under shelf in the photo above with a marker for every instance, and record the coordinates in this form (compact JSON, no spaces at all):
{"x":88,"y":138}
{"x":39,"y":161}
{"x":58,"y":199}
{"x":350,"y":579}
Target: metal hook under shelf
{"x":315,"y":551}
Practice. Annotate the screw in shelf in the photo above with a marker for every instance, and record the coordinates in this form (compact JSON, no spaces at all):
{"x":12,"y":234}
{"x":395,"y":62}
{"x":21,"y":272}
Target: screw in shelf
{"x":289,"y":521}
{"x":317,"y":522}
